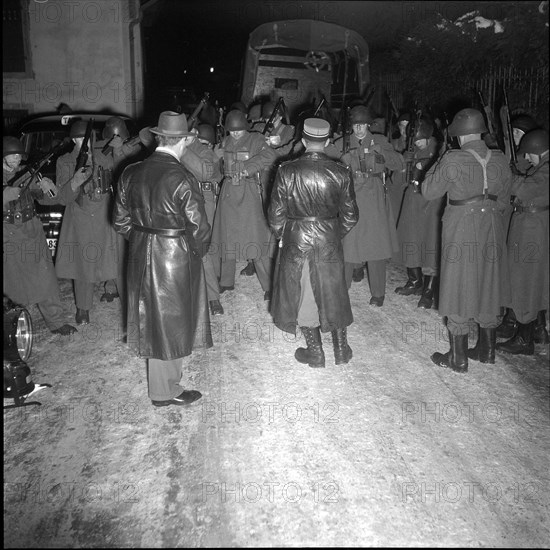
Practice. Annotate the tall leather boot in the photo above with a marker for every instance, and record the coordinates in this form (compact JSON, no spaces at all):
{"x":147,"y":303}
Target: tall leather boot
{"x":313,"y":355}
{"x":413,"y":284}
{"x":484,"y":350}
{"x":509,"y":325}
{"x":541,"y":334}
{"x":428,"y":293}
{"x":456,"y":358}
{"x":342,"y":352}
{"x":522,"y":343}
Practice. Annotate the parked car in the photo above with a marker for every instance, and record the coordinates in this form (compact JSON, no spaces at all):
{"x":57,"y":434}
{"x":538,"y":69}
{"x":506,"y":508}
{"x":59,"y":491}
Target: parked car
{"x":43,"y":133}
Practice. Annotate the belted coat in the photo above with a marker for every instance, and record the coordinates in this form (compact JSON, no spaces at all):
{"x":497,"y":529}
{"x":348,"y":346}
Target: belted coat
{"x":474,"y":278}
{"x":167,"y":304}
{"x":88,"y":249}
{"x":313,"y":186}
{"x":240,"y":227}
{"x":374,"y":237}
{"x":29,"y":275}
{"x":528,"y":245}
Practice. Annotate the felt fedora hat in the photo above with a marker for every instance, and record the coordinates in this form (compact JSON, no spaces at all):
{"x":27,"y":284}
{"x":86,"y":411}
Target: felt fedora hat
{"x":172,"y":124}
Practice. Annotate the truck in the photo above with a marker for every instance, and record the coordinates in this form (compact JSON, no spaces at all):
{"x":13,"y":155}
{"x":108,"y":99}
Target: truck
{"x":305,"y":61}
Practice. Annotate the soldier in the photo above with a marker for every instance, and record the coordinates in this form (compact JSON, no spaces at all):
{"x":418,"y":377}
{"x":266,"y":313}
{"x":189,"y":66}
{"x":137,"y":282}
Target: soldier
{"x":29,"y":275}
{"x":528,"y":248}
{"x":473,"y":253}
{"x":120,"y":151}
{"x":200,"y":160}
{"x":419,"y":223}
{"x":520,"y":125}
{"x":374,"y":238}
{"x":240,"y":227}
{"x":312,"y":207}
{"x":255,"y":118}
{"x":88,"y":249}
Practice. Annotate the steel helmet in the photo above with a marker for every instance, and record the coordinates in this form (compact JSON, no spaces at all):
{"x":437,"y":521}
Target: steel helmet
{"x":206,"y":132}
{"x":360,"y":115}
{"x":467,"y":121}
{"x":378,"y":126}
{"x":424,"y":129}
{"x":255,"y":112}
{"x":534,"y":142}
{"x":12,"y":146}
{"x":115,"y":126}
{"x":235,"y":121}
{"x":239,"y":106}
{"x":525,"y":123}
{"x":78,"y":129}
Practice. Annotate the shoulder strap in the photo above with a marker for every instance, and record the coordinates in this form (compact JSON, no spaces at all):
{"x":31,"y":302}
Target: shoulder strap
{"x":483,"y":162}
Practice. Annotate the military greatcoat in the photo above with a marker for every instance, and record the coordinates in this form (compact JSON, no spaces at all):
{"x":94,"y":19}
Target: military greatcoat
{"x":240,"y":227}
{"x":474,"y":278}
{"x":528,"y":245}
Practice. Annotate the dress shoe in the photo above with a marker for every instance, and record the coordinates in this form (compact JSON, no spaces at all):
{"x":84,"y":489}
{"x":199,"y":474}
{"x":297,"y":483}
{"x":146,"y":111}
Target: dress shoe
{"x":109,"y":296}
{"x":267,"y":296}
{"x":226,"y":288}
{"x":82,"y":316}
{"x":249,"y":270}
{"x":65,"y":330}
{"x":377,"y":301}
{"x":184,"y":398}
{"x":215,"y":307}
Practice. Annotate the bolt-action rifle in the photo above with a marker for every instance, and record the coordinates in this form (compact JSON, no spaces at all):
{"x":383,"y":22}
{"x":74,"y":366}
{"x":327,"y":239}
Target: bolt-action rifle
{"x":192,"y":120}
{"x":82,"y":157}
{"x":508,"y":130}
{"x":268,"y":128}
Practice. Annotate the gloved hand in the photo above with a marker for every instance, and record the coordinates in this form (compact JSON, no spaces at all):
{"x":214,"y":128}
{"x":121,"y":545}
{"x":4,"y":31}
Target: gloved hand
{"x":48,"y":187}
{"x":81,"y":177}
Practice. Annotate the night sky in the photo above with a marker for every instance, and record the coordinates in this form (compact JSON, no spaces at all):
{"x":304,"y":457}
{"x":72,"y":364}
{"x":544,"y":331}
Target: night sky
{"x":194,"y":35}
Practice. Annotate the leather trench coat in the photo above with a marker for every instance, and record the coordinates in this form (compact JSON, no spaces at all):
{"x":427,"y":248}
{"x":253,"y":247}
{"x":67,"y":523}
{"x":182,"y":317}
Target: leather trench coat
{"x":167,"y":303}
{"x":313,"y":186}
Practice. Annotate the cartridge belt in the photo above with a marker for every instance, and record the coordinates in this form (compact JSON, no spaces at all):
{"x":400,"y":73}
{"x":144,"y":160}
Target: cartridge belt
{"x":158,"y":231}
{"x":472,"y":200}
{"x":19,"y":216}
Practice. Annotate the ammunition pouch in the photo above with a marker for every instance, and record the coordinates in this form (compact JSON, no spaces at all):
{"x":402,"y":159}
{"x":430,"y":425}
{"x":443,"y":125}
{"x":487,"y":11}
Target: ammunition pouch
{"x":19,"y":216}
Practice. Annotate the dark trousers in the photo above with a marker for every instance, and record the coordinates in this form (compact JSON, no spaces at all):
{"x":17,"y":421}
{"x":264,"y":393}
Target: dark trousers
{"x":376,"y":270}
{"x":263,"y":271}
{"x":163,"y":378}
{"x":84,"y":294}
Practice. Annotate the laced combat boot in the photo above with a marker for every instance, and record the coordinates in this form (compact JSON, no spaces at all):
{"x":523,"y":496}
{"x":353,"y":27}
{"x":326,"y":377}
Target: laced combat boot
{"x":541,"y":334}
{"x":413,"y":284}
{"x":522,"y":343}
{"x":342,"y":352}
{"x":508,"y":327}
{"x":313,"y":355}
{"x":428,"y":293}
{"x":456,"y":358}
{"x":484,"y":350}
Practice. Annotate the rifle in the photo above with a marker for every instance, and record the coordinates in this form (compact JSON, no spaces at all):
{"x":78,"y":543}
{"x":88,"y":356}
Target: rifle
{"x":34,"y":168}
{"x":269,"y":124}
{"x":508,"y":130}
{"x":394,"y":113}
{"x":345,"y":132}
{"x":82,"y":157}
{"x":220,"y":130}
{"x":448,"y":138}
{"x":319,"y":107}
{"x":193,"y":118}
{"x":369,"y":97}
{"x":489,"y":115}
{"x":411,"y":131}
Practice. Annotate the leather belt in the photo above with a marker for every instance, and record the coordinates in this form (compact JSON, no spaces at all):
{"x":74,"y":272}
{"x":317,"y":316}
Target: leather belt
{"x":314,"y":219}
{"x":158,"y":231}
{"x":19,"y":216}
{"x":472,"y":200}
{"x":531,"y":209}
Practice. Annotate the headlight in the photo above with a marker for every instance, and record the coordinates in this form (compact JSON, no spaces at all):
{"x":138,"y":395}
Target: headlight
{"x":18,"y":334}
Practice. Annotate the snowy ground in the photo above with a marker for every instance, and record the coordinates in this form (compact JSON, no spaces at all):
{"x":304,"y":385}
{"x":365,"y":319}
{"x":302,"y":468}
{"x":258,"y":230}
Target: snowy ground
{"x":386,"y":450}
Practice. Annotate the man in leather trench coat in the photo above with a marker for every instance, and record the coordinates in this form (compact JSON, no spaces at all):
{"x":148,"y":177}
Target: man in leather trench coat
{"x":159,"y":208}
{"x":312,"y":207}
